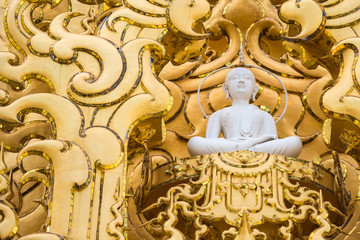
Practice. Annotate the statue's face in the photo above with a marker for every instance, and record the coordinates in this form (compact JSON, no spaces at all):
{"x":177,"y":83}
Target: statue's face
{"x":240,"y":83}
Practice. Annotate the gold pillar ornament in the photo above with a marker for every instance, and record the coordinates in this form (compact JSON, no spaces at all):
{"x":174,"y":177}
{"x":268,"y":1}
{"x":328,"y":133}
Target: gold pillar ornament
{"x":98,"y":100}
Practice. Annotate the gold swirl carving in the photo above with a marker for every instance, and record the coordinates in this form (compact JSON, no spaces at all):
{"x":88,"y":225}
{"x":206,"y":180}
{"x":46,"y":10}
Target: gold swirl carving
{"x":154,"y":100}
{"x":145,"y":7}
{"x":9,"y":222}
{"x":12,"y":29}
{"x":9,"y":219}
{"x":196,"y":12}
{"x":222,"y":27}
{"x":272,"y":29}
{"x":135,"y":19}
{"x":118,"y":222}
{"x":307,"y":38}
{"x":93,"y":2}
{"x":60,"y":155}
{"x":297,"y":12}
{"x":62,"y":123}
{"x":341,"y":99}
{"x":93,"y":72}
{"x":113,"y":3}
{"x":16,"y":138}
{"x":342,"y":14}
{"x":66,"y":191}
{"x":113,"y":84}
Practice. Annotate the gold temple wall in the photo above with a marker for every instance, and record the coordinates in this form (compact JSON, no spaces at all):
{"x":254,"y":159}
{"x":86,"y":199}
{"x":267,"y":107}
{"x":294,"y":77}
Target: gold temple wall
{"x":99,"y":99}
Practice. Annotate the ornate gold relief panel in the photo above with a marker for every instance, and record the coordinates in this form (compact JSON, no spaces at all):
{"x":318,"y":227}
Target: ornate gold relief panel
{"x":246,"y":195}
{"x":99,"y":99}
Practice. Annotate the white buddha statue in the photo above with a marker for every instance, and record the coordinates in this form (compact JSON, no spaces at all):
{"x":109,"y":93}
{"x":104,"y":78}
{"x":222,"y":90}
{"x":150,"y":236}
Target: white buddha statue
{"x":244,"y":126}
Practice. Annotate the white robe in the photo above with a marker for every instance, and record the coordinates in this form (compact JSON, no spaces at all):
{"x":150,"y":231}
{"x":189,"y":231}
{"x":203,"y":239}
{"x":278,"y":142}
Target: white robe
{"x":244,"y":128}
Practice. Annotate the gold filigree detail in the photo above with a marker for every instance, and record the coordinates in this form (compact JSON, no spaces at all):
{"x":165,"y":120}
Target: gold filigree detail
{"x":220,"y":196}
{"x":350,"y":139}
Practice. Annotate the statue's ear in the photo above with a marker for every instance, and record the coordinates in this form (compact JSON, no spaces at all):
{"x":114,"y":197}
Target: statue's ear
{"x":256,"y":89}
{"x":227,"y":95}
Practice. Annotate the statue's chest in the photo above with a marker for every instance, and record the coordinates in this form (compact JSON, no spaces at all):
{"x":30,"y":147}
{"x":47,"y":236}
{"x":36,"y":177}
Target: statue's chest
{"x":243,"y":122}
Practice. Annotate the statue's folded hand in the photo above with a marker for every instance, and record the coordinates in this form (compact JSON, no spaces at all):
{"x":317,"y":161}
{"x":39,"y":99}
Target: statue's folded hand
{"x":244,"y":143}
{"x":267,"y":137}
{"x":254,"y":140}
{"x":239,"y":139}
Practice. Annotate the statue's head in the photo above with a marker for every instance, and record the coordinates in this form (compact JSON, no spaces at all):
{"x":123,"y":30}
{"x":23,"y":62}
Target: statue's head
{"x":240,"y":83}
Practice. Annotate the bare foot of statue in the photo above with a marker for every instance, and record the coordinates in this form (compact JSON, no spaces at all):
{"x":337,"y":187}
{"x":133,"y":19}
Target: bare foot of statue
{"x":244,"y":126}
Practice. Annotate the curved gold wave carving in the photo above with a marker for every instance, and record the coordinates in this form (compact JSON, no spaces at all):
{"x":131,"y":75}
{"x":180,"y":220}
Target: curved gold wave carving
{"x":223,"y":27}
{"x":272,"y":29}
{"x":16,"y":139}
{"x":297,"y":11}
{"x":196,"y":11}
{"x":60,"y":155}
{"x":9,"y":222}
{"x":339,"y":101}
